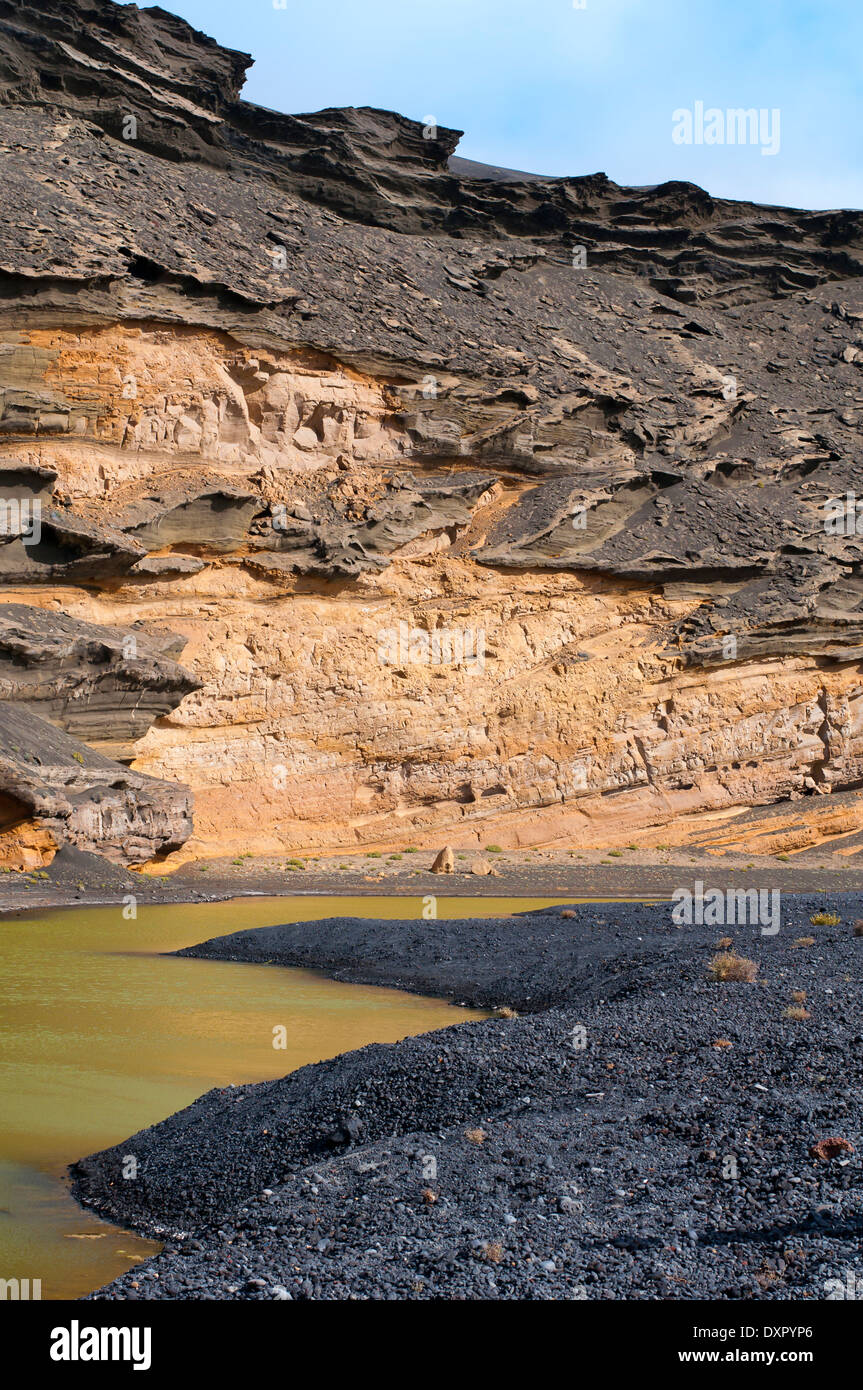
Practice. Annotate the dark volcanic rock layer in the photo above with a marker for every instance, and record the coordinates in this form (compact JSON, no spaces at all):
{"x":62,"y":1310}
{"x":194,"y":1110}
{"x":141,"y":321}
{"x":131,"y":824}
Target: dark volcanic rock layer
{"x":54,"y":790}
{"x":101,"y":685}
{"x":281,"y":383}
{"x":649,"y":1136}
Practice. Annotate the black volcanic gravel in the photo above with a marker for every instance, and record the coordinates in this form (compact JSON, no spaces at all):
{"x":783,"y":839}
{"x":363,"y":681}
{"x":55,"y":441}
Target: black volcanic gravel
{"x":529,"y":962}
{"x":501,"y":1159}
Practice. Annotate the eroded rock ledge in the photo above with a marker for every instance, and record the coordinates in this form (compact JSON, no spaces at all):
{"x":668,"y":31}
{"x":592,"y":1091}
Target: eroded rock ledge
{"x":101,"y":685}
{"x":288,"y":385}
{"x":54,"y":790}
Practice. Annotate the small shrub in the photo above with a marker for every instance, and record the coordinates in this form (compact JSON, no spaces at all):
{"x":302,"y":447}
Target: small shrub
{"x":476,"y":1136}
{"x":411,"y":849}
{"x":825,"y":919}
{"x":803,"y":941}
{"x":615,"y":854}
{"x":504,"y":1012}
{"x":724,"y":943}
{"x":797,"y":1012}
{"x":493,"y":1250}
{"x":728,"y":966}
{"x":429,"y":1197}
{"x":799,"y":996}
{"x":374,"y":854}
{"x":493,"y":849}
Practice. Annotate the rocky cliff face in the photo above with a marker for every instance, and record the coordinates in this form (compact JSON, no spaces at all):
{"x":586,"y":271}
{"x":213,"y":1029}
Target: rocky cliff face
{"x":477,"y":506}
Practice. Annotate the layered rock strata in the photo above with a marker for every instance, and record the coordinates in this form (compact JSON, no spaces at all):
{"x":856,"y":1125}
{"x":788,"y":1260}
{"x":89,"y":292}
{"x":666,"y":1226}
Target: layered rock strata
{"x":486,"y":506}
{"x":56,"y":791}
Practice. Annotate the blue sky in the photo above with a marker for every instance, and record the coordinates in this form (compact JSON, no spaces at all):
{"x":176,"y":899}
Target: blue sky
{"x":545,"y":86}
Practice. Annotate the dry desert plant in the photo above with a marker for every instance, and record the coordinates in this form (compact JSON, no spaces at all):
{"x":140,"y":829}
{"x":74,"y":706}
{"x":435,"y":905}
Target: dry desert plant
{"x":726,"y":965}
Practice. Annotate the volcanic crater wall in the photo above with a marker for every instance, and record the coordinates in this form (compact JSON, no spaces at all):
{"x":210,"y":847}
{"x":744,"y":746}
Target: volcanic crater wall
{"x":341,"y":504}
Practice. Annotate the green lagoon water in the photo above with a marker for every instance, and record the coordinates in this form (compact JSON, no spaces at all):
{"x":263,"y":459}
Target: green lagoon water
{"x":102,"y":1035}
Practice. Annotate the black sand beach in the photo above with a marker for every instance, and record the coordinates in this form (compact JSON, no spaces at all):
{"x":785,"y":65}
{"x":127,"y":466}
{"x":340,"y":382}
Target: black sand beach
{"x":640,"y":1131}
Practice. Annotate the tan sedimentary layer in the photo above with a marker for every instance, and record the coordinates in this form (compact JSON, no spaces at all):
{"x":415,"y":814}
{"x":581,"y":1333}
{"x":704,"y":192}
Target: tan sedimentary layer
{"x":156,"y":401}
{"x":578,"y":727}
{"x":26,"y":846}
